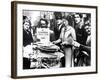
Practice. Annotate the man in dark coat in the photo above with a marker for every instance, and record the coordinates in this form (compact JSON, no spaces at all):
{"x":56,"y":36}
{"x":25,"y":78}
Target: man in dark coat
{"x":59,"y":24}
{"x":81,"y":36}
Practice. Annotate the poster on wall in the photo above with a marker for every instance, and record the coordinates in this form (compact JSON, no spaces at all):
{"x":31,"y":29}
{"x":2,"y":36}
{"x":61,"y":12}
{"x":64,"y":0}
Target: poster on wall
{"x":53,"y":39}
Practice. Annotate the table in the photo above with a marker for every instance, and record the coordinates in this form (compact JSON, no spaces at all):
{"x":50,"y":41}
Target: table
{"x":41,"y":59}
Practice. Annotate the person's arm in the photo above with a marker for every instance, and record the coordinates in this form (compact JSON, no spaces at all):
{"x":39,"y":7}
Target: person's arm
{"x":57,"y":41}
{"x":60,"y":38}
{"x":82,"y":47}
{"x":85,"y":48}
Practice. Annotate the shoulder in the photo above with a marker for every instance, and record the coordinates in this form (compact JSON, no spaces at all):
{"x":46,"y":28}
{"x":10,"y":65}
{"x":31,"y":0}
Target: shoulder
{"x":63,"y":29}
{"x":70,"y":28}
{"x":24,"y":32}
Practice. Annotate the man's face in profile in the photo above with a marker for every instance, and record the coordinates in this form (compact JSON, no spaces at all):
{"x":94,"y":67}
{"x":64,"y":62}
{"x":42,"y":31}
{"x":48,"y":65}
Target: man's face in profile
{"x":59,"y":21}
{"x":77,"y":18}
{"x":88,"y":29}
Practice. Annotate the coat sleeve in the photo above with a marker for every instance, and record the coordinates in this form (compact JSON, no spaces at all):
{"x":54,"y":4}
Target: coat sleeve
{"x":85,"y":48}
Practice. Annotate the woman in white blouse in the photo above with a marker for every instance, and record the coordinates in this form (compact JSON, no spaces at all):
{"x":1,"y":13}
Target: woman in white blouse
{"x":67,"y":35}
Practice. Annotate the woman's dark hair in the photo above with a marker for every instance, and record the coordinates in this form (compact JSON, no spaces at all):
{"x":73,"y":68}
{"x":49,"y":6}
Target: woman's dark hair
{"x":25,"y":19}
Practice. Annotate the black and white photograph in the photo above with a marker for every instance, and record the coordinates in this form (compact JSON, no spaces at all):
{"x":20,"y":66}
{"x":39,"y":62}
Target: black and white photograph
{"x":54,"y":39}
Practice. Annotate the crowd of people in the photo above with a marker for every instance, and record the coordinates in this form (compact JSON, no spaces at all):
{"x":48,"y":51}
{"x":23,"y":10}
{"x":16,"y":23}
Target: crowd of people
{"x":72,"y":34}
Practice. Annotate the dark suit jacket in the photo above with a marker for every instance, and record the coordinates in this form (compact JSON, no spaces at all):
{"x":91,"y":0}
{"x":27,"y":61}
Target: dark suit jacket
{"x":57,"y":31}
{"x":81,"y":35}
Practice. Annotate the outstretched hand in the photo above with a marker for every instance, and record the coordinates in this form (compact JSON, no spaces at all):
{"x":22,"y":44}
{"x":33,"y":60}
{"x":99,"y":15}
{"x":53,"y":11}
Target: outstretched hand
{"x":76,"y":44}
{"x":54,"y":42}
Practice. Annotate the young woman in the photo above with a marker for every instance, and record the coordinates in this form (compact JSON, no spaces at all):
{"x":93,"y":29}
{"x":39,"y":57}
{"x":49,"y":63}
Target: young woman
{"x":27,"y":40}
{"x":67,"y":32}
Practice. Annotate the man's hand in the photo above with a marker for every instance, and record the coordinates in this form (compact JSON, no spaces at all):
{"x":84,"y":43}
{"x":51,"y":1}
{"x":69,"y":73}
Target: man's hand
{"x":57,"y":41}
{"x":64,"y":43}
{"x":76,"y":44}
{"x":54,"y":42}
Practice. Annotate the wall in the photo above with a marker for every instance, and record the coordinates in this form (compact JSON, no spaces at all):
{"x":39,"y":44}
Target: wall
{"x":5,"y":40}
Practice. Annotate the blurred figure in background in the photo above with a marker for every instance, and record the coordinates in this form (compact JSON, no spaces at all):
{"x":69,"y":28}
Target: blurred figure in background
{"x":88,"y":43}
{"x":59,"y":24}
